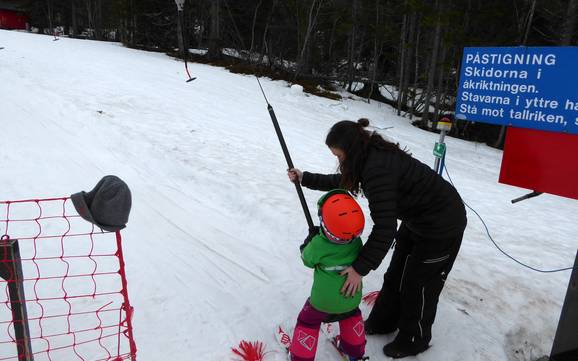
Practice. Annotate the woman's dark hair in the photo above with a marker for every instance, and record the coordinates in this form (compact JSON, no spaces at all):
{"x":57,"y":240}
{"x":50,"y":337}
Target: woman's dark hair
{"x":355,"y":142}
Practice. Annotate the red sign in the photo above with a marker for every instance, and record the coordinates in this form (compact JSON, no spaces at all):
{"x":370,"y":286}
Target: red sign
{"x":541,"y":161}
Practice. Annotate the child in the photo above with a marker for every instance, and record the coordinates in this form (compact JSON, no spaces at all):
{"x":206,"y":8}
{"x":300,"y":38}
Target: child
{"x":329,"y":252}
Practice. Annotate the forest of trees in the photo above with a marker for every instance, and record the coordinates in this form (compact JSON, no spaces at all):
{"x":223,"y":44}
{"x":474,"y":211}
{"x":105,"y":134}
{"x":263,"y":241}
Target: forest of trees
{"x":409,"y":48}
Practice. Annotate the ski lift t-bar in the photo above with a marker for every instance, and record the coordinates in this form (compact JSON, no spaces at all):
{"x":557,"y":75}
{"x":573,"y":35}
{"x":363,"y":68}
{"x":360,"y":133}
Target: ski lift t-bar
{"x":287,"y":158}
{"x":180,"y":24}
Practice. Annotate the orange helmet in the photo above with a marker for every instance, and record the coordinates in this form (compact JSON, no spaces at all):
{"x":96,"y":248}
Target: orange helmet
{"x":341,"y":216}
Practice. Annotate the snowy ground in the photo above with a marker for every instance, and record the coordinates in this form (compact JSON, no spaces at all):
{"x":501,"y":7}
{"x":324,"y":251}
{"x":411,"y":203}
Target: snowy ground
{"x":212,"y":243}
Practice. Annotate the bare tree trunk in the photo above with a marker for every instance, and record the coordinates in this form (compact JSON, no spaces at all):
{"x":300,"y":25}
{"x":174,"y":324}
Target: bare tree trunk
{"x":130,"y":24}
{"x":439,"y":91}
{"x":98,"y":20}
{"x":303,"y":64}
{"x":519,"y":24}
{"x":49,"y":12}
{"x":270,"y":55}
{"x":253,"y":30}
{"x":90,"y":12}
{"x":351,"y":50}
{"x":529,"y":21}
{"x":215,"y":36}
{"x":501,"y":137}
{"x":414,"y":28}
{"x":400,"y":90}
{"x":332,"y":39}
{"x":241,"y":45}
{"x":74,"y":28}
{"x":132,"y":20}
{"x":377,"y":48}
{"x":298,"y":28}
{"x":403,"y":46}
{"x":447,"y":79}
{"x":264,"y":46}
{"x":416,"y":76}
{"x":569,"y":23}
{"x":432,"y":68}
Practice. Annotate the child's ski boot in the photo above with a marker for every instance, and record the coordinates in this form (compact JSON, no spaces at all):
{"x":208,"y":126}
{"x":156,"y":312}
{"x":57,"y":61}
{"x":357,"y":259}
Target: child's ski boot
{"x":336,"y":342}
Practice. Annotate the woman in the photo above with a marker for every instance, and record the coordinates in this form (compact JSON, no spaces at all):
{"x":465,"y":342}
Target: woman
{"x":433,"y":220}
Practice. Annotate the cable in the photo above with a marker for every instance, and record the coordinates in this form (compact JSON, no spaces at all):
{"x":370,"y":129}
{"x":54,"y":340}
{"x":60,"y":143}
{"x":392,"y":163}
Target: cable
{"x":496,"y":245}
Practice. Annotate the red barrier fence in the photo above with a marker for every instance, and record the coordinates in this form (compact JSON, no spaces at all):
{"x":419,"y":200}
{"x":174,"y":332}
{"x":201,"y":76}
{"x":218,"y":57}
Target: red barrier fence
{"x":72,"y":301}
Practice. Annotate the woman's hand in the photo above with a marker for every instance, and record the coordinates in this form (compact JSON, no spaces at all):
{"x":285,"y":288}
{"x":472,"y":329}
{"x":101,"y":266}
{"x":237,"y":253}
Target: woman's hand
{"x":352,"y":283}
{"x":295,"y":175}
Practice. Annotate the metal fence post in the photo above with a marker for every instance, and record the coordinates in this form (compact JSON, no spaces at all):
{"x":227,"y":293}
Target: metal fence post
{"x":11,"y":272}
{"x":444,"y":126}
{"x":565,"y":346}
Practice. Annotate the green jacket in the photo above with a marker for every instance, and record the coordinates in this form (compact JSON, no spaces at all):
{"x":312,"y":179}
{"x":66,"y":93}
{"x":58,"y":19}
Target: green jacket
{"x":329,"y":259}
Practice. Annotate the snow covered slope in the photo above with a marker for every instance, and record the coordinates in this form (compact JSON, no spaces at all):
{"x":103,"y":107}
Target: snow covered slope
{"x":212,"y":244}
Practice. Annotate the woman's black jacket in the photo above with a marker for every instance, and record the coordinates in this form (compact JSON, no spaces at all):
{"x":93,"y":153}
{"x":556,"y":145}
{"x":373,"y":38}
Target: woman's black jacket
{"x":398,"y":186}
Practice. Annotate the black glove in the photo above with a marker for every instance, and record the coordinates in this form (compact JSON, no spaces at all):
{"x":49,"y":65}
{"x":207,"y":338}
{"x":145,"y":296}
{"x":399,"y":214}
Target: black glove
{"x":312,"y":233}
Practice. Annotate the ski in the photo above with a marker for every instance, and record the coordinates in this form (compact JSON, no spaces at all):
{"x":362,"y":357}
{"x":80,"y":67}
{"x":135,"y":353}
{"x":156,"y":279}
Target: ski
{"x":284,"y":340}
{"x":327,"y":330}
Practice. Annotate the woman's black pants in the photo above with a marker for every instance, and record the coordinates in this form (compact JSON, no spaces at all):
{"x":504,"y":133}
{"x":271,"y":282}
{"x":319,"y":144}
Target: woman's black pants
{"x":413,"y":282}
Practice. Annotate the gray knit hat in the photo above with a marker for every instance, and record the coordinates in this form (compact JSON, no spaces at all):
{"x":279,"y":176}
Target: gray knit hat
{"x":107,"y":205}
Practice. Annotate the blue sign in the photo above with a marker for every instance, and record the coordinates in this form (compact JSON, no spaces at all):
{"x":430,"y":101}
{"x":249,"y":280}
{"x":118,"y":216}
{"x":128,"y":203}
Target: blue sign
{"x":523,"y":87}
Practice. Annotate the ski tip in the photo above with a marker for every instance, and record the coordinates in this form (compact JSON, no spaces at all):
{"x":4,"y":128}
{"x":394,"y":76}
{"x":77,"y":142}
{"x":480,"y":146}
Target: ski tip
{"x":283,"y":338}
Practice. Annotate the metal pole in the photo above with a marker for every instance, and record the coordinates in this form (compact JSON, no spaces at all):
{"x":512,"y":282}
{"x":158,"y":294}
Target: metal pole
{"x":444,"y":125}
{"x":11,"y":272}
{"x":527,"y":196}
{"x":438,"y":159}
{"x":288,"y":160}
{"x":565,"y":346}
